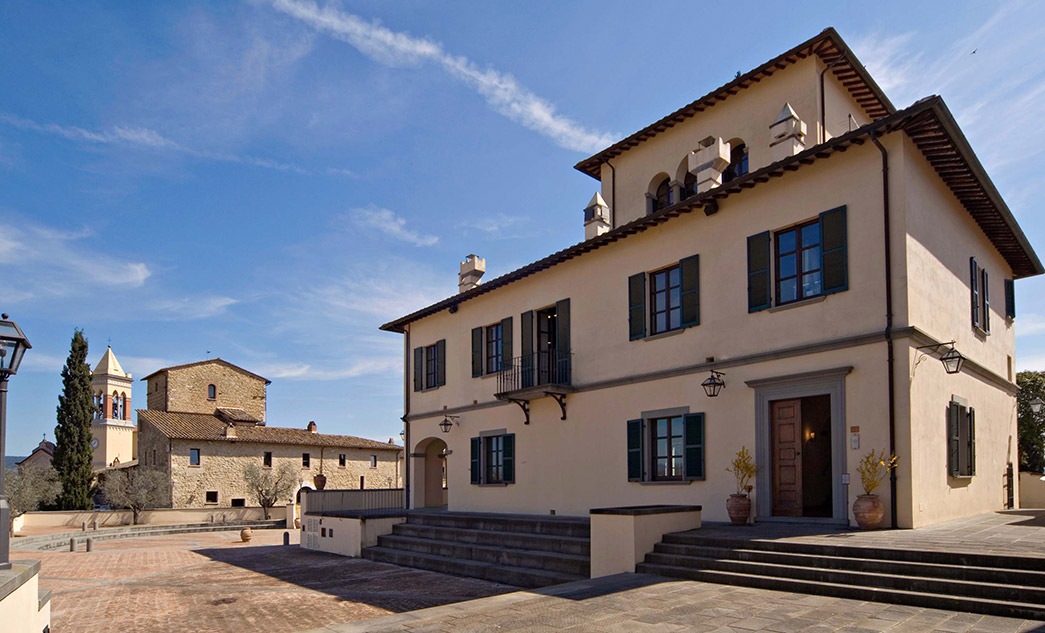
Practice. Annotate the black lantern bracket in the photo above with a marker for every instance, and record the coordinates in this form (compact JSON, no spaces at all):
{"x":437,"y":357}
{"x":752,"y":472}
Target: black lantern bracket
{"x":951,"y":358}
{"x":448,"y":422}
{"x":713,"y":384}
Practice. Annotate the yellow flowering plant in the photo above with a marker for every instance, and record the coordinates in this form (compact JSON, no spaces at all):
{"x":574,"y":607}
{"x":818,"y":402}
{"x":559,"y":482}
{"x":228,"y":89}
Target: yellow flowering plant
{"x":743,"y":468}
{"x":874,"y":468}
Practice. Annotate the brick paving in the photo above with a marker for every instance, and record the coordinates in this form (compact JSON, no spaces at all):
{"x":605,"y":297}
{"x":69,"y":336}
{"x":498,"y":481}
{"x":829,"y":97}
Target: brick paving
{"x":638,"y":603}
{"x":212,"y":582}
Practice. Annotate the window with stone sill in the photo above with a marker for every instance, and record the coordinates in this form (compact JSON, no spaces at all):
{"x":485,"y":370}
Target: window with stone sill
{"x":194,"y":457}
{"x":212,"y":496}
{"x":342,"y":460}
{"x":212,"y":392}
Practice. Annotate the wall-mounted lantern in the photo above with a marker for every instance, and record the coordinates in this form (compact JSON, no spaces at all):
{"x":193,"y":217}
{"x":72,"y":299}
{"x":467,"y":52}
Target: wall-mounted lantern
{"x":713,"y":384}
{"x":1036,"y":405}
{"x":448,"y":423}
{"x":952,"y":359}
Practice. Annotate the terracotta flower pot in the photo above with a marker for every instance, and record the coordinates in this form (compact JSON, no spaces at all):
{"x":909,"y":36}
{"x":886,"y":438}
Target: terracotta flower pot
{"x":739,"y":508}
{"x":246,"y":534}
{"x":320,"y":481}
{"x":868,"y":510}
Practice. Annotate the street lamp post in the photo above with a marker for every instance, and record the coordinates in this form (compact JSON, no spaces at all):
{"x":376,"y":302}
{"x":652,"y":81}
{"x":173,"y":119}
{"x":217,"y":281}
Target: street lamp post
{"x":12,"y":346}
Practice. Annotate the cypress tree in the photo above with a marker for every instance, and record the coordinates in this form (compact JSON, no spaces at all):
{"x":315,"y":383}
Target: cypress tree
{"x":72,"y":452}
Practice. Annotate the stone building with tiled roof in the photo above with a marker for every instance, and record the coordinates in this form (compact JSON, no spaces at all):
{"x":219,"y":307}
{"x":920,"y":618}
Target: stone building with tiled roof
{"x":205,"y":424}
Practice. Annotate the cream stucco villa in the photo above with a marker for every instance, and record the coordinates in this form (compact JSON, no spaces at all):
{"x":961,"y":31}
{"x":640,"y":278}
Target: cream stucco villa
{"x":790,"y":233}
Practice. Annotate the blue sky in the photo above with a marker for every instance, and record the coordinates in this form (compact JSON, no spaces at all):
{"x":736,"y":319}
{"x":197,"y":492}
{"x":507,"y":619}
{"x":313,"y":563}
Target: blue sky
{"x":270,"y":181}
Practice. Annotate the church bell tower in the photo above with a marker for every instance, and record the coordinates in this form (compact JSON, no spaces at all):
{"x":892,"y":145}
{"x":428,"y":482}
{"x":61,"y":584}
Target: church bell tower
{"x":112,"y":430}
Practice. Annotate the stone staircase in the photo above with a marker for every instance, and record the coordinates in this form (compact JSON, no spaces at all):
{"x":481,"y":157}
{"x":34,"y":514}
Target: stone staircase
{"x":520,"y":550}
{"x":1011,"y":586}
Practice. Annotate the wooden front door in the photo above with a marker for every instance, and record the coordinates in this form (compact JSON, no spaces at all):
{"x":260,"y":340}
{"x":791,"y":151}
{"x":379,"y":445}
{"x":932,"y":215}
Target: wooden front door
{"x":787,"y":457}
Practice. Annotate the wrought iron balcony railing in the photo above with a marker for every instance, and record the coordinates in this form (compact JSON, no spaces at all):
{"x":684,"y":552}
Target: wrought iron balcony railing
{"x":550,"y":368}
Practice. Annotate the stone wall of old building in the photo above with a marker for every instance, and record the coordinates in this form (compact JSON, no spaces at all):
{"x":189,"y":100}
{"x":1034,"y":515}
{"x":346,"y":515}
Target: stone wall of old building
{"x":153,"y":448}
{"x":187,"y":389}
{"x":156,"y":392}
{"x":222,"y":464}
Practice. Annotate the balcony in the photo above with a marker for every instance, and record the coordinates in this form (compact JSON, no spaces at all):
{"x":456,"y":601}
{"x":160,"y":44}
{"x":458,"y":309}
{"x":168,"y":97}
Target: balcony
{"x":538,"y":375}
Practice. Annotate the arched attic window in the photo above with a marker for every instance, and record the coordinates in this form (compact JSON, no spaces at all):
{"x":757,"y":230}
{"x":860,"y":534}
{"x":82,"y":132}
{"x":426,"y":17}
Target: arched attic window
{"x":212,"y":392}
{"x":737,"y":161}
{"x":689,"y":186}
{"x":662,"y":195}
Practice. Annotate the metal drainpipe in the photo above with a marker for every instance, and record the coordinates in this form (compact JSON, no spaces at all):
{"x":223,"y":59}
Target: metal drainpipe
{"x":613,"y":192}
{"x":891,"y":359}
{"x":406,"y":417}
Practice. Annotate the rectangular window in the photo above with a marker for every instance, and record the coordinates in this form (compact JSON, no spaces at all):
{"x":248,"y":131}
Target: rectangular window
{"x":494,"y":348}
{"x":212,"y":496}
{"x":362,"y":482}
{"x":306,"y":460}
{"x":668,"y":445}
{"x":435,"y":368}
{"x":323,"y":532}
{"x":342,"y":460}
{"x":798,"y":274}
{"x":194,"y":457}
{"x":267,"y":459}
{"x":239,"y":503}
{"x":665,"y":300}
{"x":373,"y":461}
{"x":961,"y":431}
{"x":494,"y":459}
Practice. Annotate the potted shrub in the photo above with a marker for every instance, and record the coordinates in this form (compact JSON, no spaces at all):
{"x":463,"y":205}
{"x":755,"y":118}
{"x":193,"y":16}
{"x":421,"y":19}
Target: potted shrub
{"x":868,"y":507}
{"x":739,"y":505}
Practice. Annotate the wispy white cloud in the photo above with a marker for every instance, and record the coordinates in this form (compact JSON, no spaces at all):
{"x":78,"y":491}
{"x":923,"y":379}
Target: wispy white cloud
{"x":500,"y":90}
{"x":191,"y":308}
{"x":390,"y":224}
{"x":58,"y":263}
{"x":390,"y":364}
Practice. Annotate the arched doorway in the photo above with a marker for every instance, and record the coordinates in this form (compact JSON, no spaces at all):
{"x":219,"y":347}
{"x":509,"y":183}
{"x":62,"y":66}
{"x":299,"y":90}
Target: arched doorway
{"x":431,"y":476}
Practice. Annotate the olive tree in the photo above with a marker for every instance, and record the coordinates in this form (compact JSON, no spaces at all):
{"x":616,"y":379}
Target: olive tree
{"x":136,"y":489}
{"x":268,"y":487}
{"x":32,"y":486}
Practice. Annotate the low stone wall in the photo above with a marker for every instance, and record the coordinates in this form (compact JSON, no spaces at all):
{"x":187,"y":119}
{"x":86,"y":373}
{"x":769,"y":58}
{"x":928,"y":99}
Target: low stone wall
{"x":164,"y":516}
{"x":621,"y":537}
{"x":346,"y":535}
{"x":1032,"y":490}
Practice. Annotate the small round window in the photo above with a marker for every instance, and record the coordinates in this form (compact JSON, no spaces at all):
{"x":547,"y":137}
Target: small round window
{"x":212,"y":392}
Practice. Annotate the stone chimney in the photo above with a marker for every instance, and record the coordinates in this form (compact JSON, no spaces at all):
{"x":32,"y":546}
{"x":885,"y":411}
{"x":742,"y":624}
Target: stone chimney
{"x":311,"y":428}
{"x":787,"y":134}
{"x":596,"y":217}
{"x":472,"y":269}
{"x":708,"y":162}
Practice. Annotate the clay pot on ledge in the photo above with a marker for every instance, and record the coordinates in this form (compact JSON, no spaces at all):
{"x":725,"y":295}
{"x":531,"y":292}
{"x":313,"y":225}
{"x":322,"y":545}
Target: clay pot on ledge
{"x":868,"y":510}
{"x":297,"y":524}
{"x":320,"y":481}
{"x":739,"y":508}
{"x":246,"y":534}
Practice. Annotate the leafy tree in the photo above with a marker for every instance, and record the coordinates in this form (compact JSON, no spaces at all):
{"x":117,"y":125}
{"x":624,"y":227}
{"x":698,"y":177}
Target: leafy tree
{"x":136,"y":489}
{"x":270,"y":489}
{"x":72,"y":452}
{"x":31,"y":487}
{"x":1030,"y":425}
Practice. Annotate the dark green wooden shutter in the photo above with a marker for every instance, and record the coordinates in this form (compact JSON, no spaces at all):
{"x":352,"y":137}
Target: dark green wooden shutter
{"x":477,"y":352}
{"x":834,"y":261}
{"x":562,"y":335}
{"x":759,"y":295}
{"x":974,"y":285}
{"x":954,"y":413}
{"x":689,"y":271}
{"x":526,"y":347}
{"x":972,"y":441}
{"x":637,"y":306}
{"x":635,"y":458}
{"x":419,"y":368}
{"x":508,"y":459}
{"x":440,"y":362}
{"x":506,"y":343}
{"x":1010,"y":299}
{"x":694,"y":449}
{"x":476,"y":473}
{"x":985,"y":291}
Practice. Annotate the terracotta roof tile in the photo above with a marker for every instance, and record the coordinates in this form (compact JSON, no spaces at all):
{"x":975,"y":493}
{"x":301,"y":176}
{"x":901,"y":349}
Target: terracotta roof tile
{"x":201,"y":426}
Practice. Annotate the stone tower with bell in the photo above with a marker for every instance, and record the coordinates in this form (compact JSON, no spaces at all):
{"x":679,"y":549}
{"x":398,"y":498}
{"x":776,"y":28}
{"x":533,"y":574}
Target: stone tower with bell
{"x":113,"y":433}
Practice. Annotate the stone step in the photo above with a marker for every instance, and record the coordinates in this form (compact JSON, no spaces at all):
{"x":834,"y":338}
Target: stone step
{"x":901,"y":568}
{"x":579,"y":527}
{"x":999,"y":561}
{"x":504,"y":574}
{"x":856,"y":592}
{"x":573,"y":545}
{"x":858,"y":577}
{"x":498,"y":555}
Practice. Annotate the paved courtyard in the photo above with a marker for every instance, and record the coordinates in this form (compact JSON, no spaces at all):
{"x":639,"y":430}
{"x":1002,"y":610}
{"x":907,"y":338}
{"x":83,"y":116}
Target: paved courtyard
{"x":213,"y":582}
{"x":637,"y":603}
